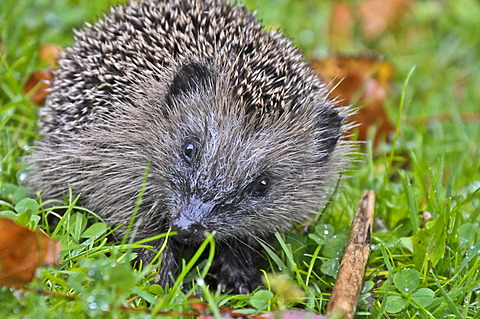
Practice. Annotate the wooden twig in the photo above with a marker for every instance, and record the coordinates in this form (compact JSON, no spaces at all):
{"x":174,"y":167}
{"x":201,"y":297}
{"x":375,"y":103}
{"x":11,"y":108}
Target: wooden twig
{"x":352,"y":268}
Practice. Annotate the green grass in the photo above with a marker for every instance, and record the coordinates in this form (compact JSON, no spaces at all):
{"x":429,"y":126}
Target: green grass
{"x":415,"y":270}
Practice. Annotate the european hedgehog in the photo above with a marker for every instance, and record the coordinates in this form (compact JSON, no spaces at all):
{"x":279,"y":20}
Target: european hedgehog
{"x":236,"y":133}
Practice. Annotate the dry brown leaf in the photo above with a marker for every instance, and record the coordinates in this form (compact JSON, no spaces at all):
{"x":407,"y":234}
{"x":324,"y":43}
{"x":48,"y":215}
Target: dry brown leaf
{"x":22,"y":251}
{"x":39,"y":81}
{"x":197,"y":304}
{"x":361,"y":81}
{"x":49,"y":54}
{"x":37,"y":84}
{"x":376,"y":16}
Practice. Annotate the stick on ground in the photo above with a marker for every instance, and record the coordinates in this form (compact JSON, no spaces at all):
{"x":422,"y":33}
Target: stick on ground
{"x":352,"y":268}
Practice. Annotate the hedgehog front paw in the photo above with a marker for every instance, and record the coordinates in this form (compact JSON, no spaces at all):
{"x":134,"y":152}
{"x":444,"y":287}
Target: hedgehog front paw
{"x":239,"y":278}
{"x":236,"y":269}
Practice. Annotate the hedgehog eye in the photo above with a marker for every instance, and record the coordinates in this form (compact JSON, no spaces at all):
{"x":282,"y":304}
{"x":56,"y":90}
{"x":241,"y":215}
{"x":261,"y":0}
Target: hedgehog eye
{"x":189,"y":150}
{"x":260,"y":186}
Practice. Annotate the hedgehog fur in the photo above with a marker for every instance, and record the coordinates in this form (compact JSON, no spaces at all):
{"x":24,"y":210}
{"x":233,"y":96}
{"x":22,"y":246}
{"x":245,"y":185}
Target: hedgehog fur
{"x":239,"y":137}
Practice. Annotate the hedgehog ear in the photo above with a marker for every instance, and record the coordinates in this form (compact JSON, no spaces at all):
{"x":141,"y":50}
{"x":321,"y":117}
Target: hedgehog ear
{"x":190,"y":78}
{"x":330,"y":129}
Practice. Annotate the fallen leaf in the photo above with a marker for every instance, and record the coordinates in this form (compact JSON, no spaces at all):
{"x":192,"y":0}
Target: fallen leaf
{"x":22,"y":251}
{"x":49,"y":54}
{"x":361,"y":81}
{"x":37,"y":85}
{"x":377,"y":16}
{"x":197,"y":304}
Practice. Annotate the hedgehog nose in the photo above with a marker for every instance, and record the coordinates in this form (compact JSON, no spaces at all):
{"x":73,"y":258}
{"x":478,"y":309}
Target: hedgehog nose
{"x":188,"y":231}
{"x":189,"y":222}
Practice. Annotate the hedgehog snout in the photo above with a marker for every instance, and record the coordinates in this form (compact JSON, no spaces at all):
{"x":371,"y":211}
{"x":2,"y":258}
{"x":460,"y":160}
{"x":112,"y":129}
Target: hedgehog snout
{"x":188,"y":222}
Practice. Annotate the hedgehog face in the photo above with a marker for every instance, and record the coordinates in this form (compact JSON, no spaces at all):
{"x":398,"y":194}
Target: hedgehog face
{"x":217,"y":188}
{"x":232,"y":175}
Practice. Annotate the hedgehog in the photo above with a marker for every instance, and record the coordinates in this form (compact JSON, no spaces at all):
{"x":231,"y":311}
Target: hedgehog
{"x":219,"y":124}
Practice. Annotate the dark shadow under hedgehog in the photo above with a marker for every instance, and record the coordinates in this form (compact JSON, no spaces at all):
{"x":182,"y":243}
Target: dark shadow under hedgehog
{"x":239,"y":136}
